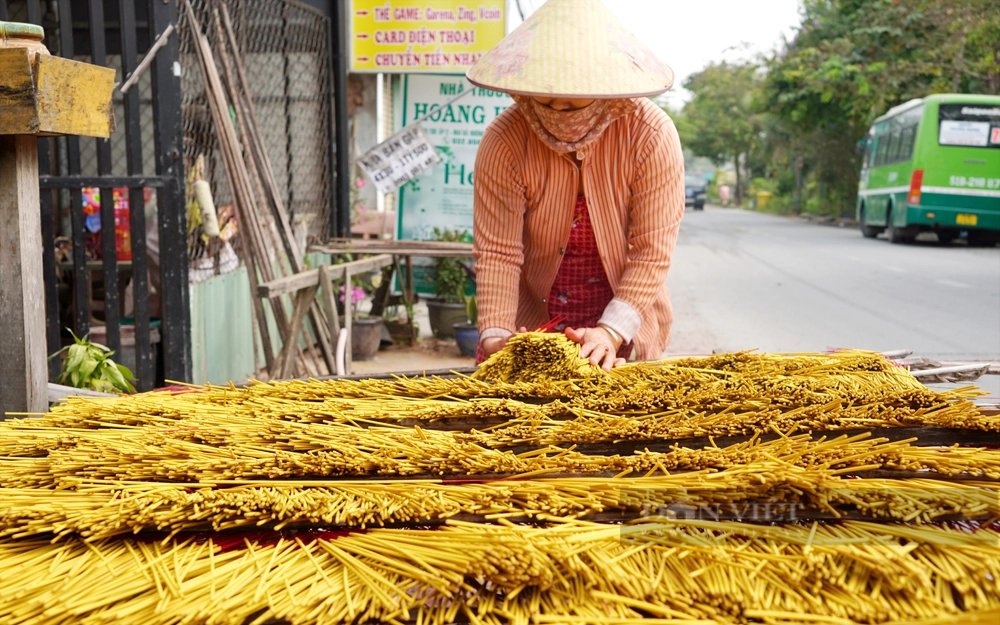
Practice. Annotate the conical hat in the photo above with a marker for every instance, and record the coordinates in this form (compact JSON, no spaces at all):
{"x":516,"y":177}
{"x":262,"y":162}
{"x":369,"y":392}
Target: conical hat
{"x":572,"y":48}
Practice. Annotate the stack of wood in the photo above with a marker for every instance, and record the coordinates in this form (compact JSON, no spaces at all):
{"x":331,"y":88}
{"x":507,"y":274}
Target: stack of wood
{"x":267,"y":244}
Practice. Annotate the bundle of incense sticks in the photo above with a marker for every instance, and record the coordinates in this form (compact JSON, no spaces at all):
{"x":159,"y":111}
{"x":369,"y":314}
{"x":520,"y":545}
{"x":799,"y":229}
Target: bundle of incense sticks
{"x":541,"y":490}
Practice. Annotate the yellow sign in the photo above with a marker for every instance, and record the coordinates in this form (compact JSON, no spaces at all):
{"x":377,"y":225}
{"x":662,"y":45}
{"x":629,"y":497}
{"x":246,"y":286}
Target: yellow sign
{"x":409,"y":36}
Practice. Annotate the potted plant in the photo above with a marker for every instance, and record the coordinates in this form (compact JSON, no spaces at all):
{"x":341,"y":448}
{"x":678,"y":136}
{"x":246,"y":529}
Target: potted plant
{"x":366,"y":331}
{"x":88,"y":365}
{"x":467,"y":334}
{"x":449,"y":288}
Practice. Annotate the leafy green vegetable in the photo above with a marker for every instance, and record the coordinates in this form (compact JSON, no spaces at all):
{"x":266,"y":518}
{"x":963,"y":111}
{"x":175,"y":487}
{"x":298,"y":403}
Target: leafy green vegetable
{"x":449,"y":276}
{"x":472,"y":309}
{"x":89,"y":365}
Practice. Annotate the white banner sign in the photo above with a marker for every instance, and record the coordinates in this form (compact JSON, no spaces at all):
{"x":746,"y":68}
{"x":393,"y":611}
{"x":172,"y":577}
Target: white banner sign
{"x":964,"y":133}
{"x":399,"y":159}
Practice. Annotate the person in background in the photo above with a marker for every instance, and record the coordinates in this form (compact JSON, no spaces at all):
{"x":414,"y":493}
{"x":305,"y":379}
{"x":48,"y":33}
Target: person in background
{"x":724,"y":194}
{"x":579,"y":188}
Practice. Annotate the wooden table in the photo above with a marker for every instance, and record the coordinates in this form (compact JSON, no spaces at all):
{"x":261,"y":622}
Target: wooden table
{"x":402,"y":265}
{"x":382,"y":254}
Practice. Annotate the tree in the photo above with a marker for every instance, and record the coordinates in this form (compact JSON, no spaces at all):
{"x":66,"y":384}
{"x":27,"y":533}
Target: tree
{"x":849,"y":62}
{"x":720,"y":122}
{"x":852,"y":60}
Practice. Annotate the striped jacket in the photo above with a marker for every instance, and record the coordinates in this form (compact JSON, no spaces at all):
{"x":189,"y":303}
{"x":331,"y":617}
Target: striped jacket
{"x":633,"y":179}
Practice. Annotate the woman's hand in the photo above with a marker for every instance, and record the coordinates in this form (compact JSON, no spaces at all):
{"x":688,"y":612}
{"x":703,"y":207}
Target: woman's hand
{"x":494,"y":344}
{"x":599,"y":345}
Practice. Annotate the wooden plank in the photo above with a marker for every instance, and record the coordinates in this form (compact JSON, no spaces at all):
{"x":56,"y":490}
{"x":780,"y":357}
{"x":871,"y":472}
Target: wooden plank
{"x":445,"y":373}
{"x":345,"y":240}
{"x":286,"y":358}
{"x":333,"y":317}
{"x":259,"y":315}
{"x":992,"y":366}
{"x":925,"y":437}
{"x":321,"y":481}
{"x":320,"y":328}
{"x":74,"y":98}
{"x":955,"y":373}
{"x":132,"y":181}
{"x":53,"y":95}
{"x":348,"y":318}
{"x":380,"y":298}
{"x":306,"y":279}
{"x":17,"y":93}
{"x":240,"y":95}
{"x":402,"y":251}
{"x":23,"y":368}
{"x":59,"y":393}
{"x":369,"y":244}
{"x":748,"y":511}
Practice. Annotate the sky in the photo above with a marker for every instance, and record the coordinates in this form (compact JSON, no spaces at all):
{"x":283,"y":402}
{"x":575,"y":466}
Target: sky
{"x":689,"y":34}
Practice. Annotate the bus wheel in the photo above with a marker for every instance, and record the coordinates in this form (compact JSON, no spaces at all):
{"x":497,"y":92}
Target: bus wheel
{"x":896,"y":234}
{"x":868,"y":232}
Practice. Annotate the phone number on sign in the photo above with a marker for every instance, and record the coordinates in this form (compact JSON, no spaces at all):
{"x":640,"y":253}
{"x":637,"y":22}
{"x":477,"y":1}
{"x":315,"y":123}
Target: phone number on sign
{"x":975,"y":183}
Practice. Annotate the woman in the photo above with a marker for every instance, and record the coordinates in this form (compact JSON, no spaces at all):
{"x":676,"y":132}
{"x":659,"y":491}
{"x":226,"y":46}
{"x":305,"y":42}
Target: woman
{"x":579,"y":187}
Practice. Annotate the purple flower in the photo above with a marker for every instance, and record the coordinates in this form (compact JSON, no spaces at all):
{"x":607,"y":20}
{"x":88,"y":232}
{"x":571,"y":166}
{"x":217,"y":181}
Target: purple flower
{"x":357,"y":294}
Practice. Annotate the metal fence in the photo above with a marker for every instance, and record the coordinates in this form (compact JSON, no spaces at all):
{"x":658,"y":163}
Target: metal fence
{"x":285,"y":47}
{"x":144,"y":157}
{"x":163,"y":124}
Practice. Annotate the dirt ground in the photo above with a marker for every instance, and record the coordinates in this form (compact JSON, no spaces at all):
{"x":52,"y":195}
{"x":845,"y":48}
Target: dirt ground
{"x":429,"y":354}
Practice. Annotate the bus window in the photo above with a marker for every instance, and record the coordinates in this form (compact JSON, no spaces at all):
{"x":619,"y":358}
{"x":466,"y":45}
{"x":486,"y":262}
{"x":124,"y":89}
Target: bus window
{"x":969,"y":125}
{"x":884,"y":148}
{"x":872,"y":151}
{"x":897,"y":143}
{"x":906,"y":144}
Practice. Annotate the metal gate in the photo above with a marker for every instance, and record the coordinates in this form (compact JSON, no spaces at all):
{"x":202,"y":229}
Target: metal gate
{"x":144,"y":158}
{"x":299,"y":85}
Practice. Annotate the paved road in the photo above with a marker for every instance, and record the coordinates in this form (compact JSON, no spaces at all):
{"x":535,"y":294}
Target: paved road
{"x":743,"y":280}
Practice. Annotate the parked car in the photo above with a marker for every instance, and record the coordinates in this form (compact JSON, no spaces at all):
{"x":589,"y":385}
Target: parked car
{"x":695,"y":192}
{"x":933,"y":165}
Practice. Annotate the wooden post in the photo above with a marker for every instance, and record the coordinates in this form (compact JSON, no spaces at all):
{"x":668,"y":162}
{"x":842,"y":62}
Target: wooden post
{"x":333,"y":317}
{"x":41,"y":95}
{"x":23,"y":371}
{"x":348,"y":312}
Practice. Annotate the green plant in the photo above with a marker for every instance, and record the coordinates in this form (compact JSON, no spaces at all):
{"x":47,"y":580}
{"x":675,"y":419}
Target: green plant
{"x":89,"y":365}
{"x":449,"y":276}
{"x":472,"y":309}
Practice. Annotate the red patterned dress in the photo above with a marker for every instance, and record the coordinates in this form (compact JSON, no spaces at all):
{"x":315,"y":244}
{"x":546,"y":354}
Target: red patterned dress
{"x":580,"y":291}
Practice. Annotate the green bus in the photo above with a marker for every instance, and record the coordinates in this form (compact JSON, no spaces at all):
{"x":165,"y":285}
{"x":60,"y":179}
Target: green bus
{"x":933,"y":164}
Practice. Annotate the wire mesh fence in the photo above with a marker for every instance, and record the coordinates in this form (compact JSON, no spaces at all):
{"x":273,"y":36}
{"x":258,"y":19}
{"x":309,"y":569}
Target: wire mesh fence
{"x":285,"y":48}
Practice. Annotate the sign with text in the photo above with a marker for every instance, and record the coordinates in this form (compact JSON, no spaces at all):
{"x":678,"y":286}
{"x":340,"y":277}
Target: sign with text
{"x":442,"y":197}
{"x":964,"y":133}
{"x":410,"y":36}
{"x":399,"y":159}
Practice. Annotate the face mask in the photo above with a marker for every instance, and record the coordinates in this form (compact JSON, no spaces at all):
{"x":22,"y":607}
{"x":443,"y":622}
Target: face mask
{"x":569,"y":126}
{"x":570,"y":131}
